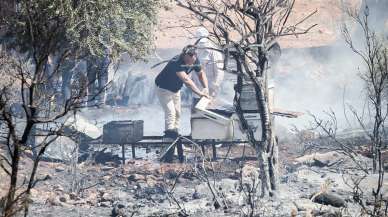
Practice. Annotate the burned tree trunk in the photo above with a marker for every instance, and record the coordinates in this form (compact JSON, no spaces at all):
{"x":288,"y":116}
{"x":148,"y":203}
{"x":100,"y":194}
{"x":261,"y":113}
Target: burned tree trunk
{"x":259,"y":145}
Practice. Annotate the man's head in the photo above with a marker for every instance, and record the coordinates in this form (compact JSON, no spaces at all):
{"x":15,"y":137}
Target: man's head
{"x":189,"y":54}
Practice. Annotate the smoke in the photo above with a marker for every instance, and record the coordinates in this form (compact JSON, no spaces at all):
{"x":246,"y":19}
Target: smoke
{"x":324,"y":79}
{"x":309,"y":80}
{"x":306,"y":80}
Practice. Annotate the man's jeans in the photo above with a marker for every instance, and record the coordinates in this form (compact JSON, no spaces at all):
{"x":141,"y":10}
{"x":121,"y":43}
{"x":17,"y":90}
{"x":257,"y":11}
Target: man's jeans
{"x":171,"y":104}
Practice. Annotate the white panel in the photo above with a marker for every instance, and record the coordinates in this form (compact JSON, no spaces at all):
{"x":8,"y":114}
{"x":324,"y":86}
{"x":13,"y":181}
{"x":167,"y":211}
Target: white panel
{"x":202,"y":128}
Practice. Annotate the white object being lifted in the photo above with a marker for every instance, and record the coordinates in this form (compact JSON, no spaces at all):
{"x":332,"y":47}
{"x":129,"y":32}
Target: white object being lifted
{"x":201,"y":108}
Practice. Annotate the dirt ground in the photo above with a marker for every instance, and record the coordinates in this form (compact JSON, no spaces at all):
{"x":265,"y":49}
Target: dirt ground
{"x":148,"y":188}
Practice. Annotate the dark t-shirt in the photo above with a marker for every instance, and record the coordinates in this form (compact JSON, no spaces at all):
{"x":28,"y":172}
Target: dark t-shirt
{"x":169,"y":80}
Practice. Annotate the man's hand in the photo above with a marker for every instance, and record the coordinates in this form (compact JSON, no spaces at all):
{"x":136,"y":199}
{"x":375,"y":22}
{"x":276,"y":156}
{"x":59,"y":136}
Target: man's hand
{"x":204,"y":94}
{"x":206,"y":91}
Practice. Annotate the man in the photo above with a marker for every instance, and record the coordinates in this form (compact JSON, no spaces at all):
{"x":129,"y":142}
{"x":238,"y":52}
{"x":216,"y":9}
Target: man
{"x":169,"y":82}
{"x":211,"y":60}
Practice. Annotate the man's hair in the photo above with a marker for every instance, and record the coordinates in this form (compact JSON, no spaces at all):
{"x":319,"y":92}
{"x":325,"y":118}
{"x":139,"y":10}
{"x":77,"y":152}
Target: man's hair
{"x":190,"y":50}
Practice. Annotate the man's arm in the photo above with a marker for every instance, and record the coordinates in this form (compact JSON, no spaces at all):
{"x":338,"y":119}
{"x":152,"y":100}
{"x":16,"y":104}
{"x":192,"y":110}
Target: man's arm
{"x":186,"y":79}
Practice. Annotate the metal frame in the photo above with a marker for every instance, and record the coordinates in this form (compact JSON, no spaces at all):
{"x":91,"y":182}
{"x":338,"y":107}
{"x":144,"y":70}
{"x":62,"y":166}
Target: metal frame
{"x":157,"y":141}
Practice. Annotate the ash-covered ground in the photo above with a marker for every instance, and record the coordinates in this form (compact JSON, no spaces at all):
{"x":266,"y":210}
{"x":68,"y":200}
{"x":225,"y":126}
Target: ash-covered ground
{"x":148,"y":188}
{"x":310,"y":184}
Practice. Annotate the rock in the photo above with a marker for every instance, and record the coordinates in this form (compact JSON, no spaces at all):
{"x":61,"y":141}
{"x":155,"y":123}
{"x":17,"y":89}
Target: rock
{"x":305,"y":205}
{"x":151,"y":180}
{"x":247,"y":171}
{"x":101,"y":190}
{"x":63,"y":198}
{"x":107,"y":168}
{"x":188,"y":175}
{"x":170,"y":174}
{"x":118,"y":211}
{"x":58,"y":188}
{"x":184,"y":199}
{"x":234,"y":176}
{"x":136,"y":177}
{"x":59,"y":169}
{"x":107,"y":178}
{"x":332,"y":199}
{"x":196,"y":195}
{"x":55,"y":201}
{"x":318,"y":163}
{"x":47,"y":177}
{"x":216,"y":205}
{"x":79,"y":202}
{"x":92,"y":199}
{"x":288,"y":178}
{"x":320,"y":159}
{"x":106,"y":197}
{"x":147,"y":192}
{"x":105,"y":204}
{"x":73,"y":196}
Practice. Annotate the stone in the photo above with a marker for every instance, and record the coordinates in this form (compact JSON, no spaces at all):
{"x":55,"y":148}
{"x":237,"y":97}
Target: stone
{"x":106,"y":197}
{"x":53,"y":202}
{"x":107,"y":168}
{"x":101,"y":190}
{"x":73,"y":196}
{"x":59,"y":169}
{"x":332,"y":199}
{"x":79,"y":202}
{"x":47,"y":177}
{"x":58,"y":188}
{"x":107,"y":178}
{"x":105,"y":204}
{"x":56,"y":201}
{"x":136,"y":177}
{"x":184,"y":199}
{"x":196,"y":195}
{"x":92,"y":199}
{"x":63,"y":199}
{"x":170,"y":174}
{"x":305,"y":205}
{"x":118,"y":211}
{"x":151,"y":180}
{"x":189,"y":176}
{"x":320,"y":159}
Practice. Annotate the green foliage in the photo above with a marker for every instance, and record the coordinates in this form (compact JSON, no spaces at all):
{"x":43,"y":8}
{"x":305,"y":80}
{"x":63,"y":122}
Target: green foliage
{"x":82,"y":27}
